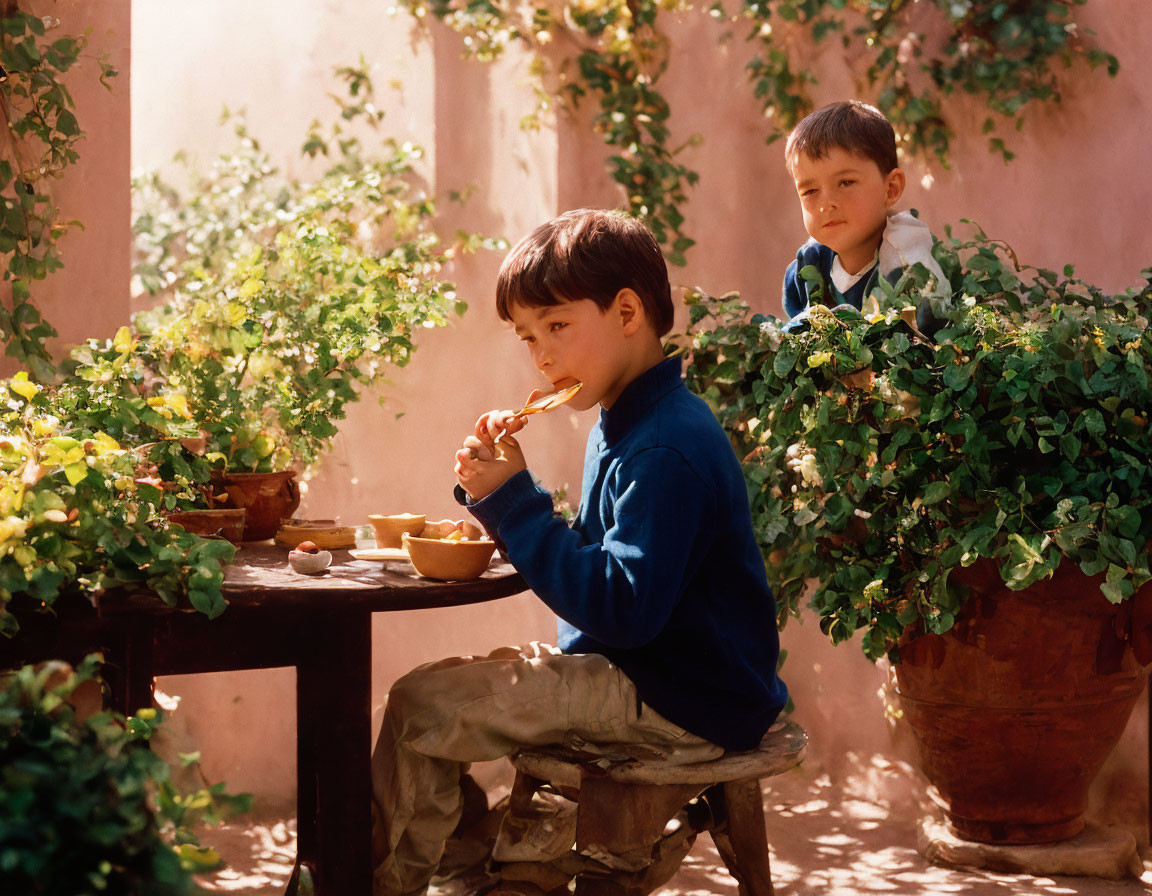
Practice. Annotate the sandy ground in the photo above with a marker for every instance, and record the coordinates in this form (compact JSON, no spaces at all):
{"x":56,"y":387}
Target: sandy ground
{"x":823,"y":841}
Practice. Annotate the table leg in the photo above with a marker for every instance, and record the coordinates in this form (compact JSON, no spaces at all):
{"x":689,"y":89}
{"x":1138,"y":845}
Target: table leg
{"x":306,"y":764}
{"x":333,"y":705}
{"x":129,"y":667}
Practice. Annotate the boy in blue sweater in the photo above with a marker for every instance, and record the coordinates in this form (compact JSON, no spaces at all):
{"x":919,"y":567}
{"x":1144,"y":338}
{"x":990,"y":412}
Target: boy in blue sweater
{"x":667,"y":627}
{"x":843,"y":160}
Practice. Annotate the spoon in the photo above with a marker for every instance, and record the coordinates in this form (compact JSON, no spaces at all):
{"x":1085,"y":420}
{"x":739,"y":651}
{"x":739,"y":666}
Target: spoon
{"x":548,"y":402}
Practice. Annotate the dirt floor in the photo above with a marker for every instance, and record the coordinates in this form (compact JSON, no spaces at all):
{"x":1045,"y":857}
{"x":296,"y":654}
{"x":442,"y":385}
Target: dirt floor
{"x":822,"y":841}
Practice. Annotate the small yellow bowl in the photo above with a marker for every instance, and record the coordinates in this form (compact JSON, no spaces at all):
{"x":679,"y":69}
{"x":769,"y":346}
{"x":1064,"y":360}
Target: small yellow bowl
{"x":389,"y":529}
{"x":438,"y":558}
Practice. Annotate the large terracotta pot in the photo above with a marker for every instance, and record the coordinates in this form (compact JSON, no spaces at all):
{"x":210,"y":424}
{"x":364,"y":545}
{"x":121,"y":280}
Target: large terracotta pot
{"x":1017,"y":707}
{"x":268,"y":498}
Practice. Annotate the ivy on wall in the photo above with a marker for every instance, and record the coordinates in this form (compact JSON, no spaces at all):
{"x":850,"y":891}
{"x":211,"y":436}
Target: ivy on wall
{"x":913,"y":58}
{"x":38,"y":145}
{"x":1008,"y":53}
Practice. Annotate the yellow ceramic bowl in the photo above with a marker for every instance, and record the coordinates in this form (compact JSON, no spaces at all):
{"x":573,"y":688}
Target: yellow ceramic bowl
{"x":389,"y":529}
{"x":441,"y":559}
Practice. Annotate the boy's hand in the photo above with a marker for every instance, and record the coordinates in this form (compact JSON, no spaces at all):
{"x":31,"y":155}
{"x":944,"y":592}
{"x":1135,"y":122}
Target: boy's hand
{"x":492,"y":424}
{"x":481,"y":469}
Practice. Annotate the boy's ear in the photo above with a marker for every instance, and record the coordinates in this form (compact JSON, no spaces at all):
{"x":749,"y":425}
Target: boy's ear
{"x":893,"y":187}
{"x":631,"y":310}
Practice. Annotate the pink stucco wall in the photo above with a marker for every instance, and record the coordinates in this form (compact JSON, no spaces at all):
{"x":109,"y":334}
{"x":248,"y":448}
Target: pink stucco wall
{"x":89,"y":298}
{"x":1077,"y":193}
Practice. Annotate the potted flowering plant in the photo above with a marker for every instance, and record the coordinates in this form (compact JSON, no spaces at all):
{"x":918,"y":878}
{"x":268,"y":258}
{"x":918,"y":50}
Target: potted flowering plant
{"x":978,"y":505}
{"x":80,"y":502}
{"x":282,"y":298}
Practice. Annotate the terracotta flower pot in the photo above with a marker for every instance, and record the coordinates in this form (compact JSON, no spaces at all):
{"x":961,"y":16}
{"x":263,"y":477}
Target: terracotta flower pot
{"x":268,"y":498}
{"x":1017,"y":707}
{"x":225,"y":523}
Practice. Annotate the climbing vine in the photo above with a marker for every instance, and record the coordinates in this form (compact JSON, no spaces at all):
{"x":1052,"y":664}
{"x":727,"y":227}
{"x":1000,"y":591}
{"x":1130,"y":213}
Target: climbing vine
{"x":38,"y":145}
{"x":910,"y":58}
{"x":1009,"y":53}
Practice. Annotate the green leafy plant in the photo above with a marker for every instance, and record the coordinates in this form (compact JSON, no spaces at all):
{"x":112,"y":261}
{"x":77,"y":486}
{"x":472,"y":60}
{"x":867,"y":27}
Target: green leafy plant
{"x":280,"y":299}
{"x":80,"y":509}
{"x":40,"y":134}
{"x":180,"y":811}
{"x":77,"y":814}
{"x":284,"y":297}
{"x":879,"y":461}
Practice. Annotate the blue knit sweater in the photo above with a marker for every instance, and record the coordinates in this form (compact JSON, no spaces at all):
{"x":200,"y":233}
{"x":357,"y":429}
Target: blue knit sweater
{"x":800,"y":295}
{"x":660,"y":572}
{"x":907,"y":242}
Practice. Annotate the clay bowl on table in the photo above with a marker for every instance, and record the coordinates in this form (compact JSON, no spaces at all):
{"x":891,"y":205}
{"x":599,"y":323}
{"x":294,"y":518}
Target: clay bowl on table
{"x":310,"y":563}
{"x":442,"y":558}
{"x":325,"y":534}
{"x":390,"y":529}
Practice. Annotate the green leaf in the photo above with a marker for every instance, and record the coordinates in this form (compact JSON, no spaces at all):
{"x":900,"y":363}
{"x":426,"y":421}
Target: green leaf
{"x":936,"y":492}
{"x":957,"y":376}
{"x":207,"y":601}
{"x":785,"y":360}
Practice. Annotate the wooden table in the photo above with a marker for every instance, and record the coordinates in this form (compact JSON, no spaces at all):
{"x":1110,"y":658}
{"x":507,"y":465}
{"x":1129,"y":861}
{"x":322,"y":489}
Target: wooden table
{"x":321,"y":625}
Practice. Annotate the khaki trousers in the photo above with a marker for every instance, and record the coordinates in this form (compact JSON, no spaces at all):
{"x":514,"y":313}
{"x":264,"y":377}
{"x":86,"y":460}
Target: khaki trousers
{"x":442,"y":716}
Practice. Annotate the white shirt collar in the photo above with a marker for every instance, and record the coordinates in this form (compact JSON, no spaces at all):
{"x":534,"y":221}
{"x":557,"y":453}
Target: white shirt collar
{"x":842,"y":280}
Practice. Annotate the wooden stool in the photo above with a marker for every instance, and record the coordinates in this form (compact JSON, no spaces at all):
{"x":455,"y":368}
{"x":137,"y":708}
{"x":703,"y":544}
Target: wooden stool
{"x":636,"y":819}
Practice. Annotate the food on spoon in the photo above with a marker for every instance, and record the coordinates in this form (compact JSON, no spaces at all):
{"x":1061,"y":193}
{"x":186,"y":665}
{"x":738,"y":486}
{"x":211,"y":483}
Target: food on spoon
{"x":453,"y":530}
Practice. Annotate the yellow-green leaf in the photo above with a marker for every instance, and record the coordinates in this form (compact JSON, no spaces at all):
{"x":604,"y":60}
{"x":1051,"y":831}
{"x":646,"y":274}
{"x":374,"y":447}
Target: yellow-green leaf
{"x":251,"y":287}
{"x":123,"y":341}
{"x":198,"y":858}
{"x":22,"y":387}
{"x":262,"y":446}
{"x":105,"y":443}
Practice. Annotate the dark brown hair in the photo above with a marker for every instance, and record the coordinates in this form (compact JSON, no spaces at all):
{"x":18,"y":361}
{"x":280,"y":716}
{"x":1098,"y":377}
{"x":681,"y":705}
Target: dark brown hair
{"x":586,"y":254}
{"x":852,"y":126}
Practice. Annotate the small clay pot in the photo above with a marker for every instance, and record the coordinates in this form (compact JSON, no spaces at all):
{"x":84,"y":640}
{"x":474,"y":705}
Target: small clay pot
{"x":390,"y":529}
{"x":227,"y":524}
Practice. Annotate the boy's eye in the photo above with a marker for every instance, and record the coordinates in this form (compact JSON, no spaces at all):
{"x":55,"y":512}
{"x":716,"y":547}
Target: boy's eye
{"x":557,"y":325}
{"x":847,"y":182}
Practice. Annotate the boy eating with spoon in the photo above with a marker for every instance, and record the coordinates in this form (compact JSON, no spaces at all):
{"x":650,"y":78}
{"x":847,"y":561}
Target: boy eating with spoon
{"x":667,"y":627}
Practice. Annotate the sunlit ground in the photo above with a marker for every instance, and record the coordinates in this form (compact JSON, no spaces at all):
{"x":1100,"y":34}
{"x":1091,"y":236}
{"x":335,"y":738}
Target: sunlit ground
{"x":822,"y":841}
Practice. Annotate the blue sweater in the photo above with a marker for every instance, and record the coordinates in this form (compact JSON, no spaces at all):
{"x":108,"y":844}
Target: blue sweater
{"x":800,"y":294}
{"x":661,"y":572}
{"x":907,"y":243}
